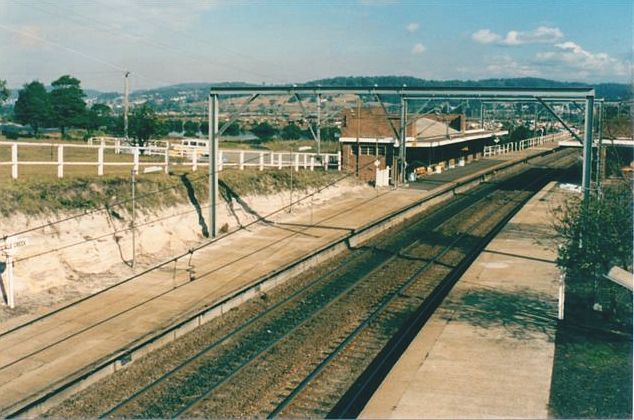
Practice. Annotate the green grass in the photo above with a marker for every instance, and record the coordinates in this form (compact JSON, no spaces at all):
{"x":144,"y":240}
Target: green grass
{"x":71,"y":154}
{"x":592,"y":372}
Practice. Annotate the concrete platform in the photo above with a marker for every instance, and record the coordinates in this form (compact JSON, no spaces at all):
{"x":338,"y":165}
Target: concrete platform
{"x":488,"y":351}
{"x":43,"y":356}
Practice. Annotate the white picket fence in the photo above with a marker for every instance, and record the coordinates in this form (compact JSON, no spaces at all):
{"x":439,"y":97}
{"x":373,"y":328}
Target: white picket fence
{"x":163,"y":157}
{"x":500,"y":149}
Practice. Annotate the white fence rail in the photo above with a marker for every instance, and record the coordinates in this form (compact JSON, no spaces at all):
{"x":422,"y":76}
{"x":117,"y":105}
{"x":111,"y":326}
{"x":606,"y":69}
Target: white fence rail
{"x":500,"y":149}
{"x":97,"y":156}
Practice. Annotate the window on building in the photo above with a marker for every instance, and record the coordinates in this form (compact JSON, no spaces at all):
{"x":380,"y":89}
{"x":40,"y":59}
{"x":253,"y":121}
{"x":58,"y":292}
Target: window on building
{"x":373,"y":149}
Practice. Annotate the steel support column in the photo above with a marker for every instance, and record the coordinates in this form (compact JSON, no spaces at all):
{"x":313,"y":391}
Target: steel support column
{"x":600,"y":161}
{"x":213,"y":163}
{"x":587,"y":149}
{"x":403,"y":140}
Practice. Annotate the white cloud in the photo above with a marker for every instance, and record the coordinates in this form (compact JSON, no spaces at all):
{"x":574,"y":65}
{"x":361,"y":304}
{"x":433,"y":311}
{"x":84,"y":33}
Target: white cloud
{"x":418,"y":49}
{"x":539,"y":35}
{"x":412,"y":27}
{"x":505,"y":66}
{"x":485,"y":36}
{"x":571,"y":56}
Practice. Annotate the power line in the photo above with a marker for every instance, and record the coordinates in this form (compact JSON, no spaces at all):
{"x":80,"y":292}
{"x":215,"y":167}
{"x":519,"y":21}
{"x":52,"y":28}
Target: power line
{"x":156,"y":44}
{"x":64,"y":47}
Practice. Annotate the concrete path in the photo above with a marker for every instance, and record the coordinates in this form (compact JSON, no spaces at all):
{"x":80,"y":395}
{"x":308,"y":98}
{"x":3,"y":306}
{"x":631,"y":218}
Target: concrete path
{"x":36,"y":358}
{"x":488,"y":351}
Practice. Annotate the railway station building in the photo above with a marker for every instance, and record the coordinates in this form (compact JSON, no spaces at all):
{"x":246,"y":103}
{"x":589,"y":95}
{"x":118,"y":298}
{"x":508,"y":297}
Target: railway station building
{"x":434,"y":142}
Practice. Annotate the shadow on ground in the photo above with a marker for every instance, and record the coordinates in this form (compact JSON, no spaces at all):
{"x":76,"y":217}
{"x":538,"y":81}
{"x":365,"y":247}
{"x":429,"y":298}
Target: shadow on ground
{"x":523,"y":314}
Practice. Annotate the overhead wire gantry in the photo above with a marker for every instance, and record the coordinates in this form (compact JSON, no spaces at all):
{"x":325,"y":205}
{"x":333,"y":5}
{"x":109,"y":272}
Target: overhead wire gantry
{"x":406,"y":95}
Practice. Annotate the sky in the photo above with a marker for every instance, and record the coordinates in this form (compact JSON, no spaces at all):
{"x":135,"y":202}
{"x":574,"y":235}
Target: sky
{"x":169,"y":42}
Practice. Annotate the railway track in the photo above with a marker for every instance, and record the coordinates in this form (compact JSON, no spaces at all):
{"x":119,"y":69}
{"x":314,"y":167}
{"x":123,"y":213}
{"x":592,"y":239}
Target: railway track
{"x":300,"y":355}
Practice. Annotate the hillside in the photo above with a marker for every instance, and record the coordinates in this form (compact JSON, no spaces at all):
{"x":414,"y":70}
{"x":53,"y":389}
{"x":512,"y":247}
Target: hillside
{"x":610,"y":91}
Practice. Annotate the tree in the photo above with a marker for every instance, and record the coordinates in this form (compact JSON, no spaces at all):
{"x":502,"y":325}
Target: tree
{"x":191,"y":128}
{"x":33,"y":106}
{"x":4,"y":91}
{"x":143,"y":125}
{"x":174,"y":125}
{"x":233,"y":130}
{"x":594,"y":237}
{"x":330,"y":133}
{"x":67,"y":102}
{"x":98,"y":116}
{"x":291,"y":132}
{"x":264,"y":131}
{"x":204,"y":127}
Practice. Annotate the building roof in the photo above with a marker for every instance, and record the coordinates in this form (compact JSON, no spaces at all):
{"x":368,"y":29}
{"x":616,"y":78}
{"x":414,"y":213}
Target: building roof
{"x":374,"y":125}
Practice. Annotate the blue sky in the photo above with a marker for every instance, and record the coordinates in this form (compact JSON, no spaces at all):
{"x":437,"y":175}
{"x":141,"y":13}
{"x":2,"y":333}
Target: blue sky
{"x":163,"y":42}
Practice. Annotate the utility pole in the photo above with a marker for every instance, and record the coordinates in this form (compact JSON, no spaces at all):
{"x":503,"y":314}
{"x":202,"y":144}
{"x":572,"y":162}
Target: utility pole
{"x":133,"y":179}
{"x":482,"y":115}
{"x":126,"y":89}
{"x":318,"y":124}
{"x":358,"y":133}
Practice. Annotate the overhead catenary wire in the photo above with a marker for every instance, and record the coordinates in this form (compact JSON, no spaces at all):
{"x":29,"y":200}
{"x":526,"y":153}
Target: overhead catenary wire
{"x":80,"y":53}
{"x":117,"y":31}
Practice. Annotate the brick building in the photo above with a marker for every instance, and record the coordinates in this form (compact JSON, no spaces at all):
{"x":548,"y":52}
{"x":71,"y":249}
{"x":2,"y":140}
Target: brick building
{"x":369,"y":134}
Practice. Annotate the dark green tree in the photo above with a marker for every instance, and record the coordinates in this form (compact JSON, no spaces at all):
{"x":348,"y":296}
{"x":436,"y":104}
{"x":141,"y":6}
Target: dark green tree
{"x":98,"y":116}
{"x":594,"y":237}
{"x":264,"y":131}
{"x":191,"y":128}
{"x":204,"y":127}
{"x":174,"y":125}
{"x":233,"y":130}
{"x":291,"y":132}
{"x":162,"y":128}
{"x":4,"y":91}
{"x":67,"y":102}
{"x":330,"y":133}
{"x":142,"y":125}
{"x":33,"y":106}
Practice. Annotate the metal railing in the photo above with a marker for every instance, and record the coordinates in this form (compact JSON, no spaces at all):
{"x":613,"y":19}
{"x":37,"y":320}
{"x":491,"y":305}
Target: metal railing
{"x":64,"y":155}
{"x":500,"y":149}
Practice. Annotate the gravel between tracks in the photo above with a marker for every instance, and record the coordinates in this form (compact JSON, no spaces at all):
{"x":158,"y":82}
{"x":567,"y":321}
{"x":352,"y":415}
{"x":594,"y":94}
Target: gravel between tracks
{"x":256,"y":388}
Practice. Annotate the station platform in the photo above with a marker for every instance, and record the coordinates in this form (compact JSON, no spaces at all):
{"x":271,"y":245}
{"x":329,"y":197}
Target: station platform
{"x":487,"y":352}
{"x":48,"y":354}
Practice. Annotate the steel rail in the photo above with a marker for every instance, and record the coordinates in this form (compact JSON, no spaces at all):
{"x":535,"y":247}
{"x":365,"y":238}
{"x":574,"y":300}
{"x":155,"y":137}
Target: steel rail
{"x":192,"y":404}
{"x":423,"y":221}
{"x":359,"y":283}
{"x":390,"y":298}
{"x":351,"y":404}
{"x":449,"y":187}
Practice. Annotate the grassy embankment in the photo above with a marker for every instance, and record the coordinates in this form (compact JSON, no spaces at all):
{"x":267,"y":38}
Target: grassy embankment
{"x":33,"y":195}
{"x":38,"y":190}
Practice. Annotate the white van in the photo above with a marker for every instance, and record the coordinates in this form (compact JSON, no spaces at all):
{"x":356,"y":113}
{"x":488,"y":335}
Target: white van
{"x":186,"y":148}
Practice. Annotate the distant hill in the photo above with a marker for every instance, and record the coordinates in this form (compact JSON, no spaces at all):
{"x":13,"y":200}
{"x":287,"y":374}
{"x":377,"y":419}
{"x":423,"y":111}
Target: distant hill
{"x":187,"y":88}
{"x":609,"y":91}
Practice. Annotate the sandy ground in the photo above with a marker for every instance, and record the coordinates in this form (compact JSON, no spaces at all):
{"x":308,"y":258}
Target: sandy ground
{"x":65,"y":261}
